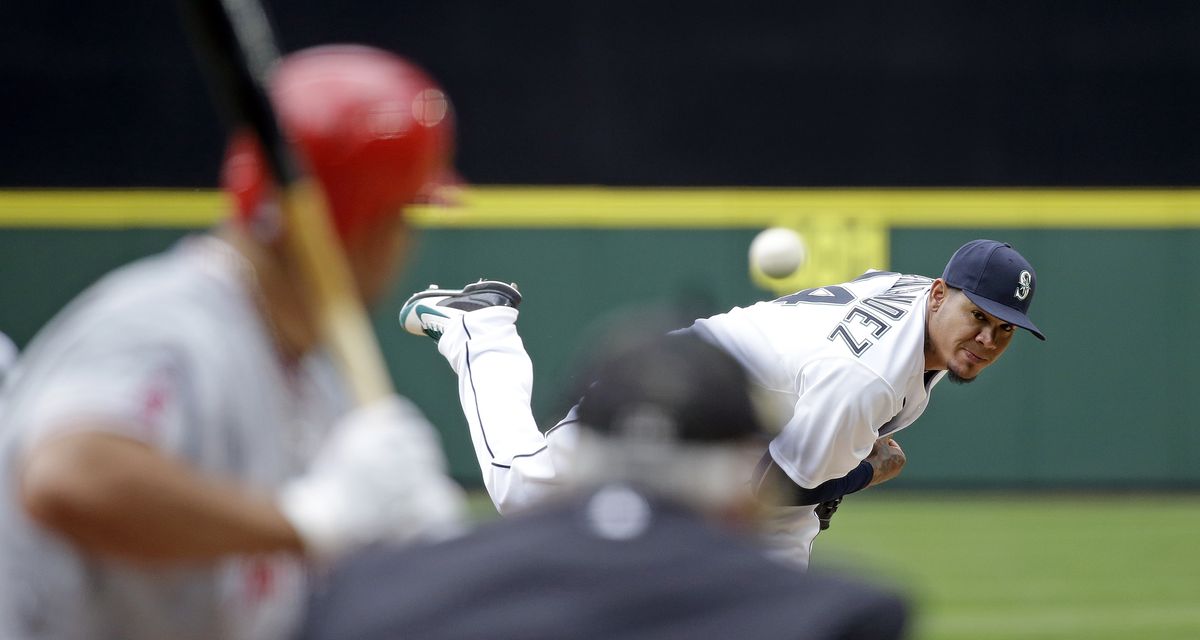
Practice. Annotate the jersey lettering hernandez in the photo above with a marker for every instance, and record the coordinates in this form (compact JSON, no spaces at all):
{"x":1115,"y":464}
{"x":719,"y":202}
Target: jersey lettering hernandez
{"x":841,"y":366}
{"x":169,"y":351}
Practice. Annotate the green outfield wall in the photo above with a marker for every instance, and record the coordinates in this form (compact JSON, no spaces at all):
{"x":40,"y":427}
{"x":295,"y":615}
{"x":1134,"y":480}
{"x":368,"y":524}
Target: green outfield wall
{"x":1102,"y":403}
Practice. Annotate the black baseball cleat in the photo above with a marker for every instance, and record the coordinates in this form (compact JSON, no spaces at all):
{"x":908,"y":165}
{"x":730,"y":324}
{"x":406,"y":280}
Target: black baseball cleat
{"x":428,"y":311}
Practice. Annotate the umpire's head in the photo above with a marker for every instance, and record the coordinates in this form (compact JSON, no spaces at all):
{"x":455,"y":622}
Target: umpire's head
{"x":669,"y":413}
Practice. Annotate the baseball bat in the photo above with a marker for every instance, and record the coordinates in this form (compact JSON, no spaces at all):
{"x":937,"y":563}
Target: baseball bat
{"x":237,"y":48}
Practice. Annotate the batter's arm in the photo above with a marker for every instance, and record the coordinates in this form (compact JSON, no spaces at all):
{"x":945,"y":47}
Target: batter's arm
{"x":114,"y":496}
{"x":380,"y":477}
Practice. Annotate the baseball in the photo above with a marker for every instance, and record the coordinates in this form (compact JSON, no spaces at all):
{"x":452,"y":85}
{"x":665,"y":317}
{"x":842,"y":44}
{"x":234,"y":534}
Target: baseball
{"x":778,"y":252}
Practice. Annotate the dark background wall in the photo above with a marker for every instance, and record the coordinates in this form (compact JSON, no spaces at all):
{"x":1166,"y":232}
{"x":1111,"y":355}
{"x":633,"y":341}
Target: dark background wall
{"x":755,"y":92}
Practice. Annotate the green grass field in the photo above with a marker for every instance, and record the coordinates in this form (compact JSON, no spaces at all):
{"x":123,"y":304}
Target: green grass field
{"x":986,"y":567}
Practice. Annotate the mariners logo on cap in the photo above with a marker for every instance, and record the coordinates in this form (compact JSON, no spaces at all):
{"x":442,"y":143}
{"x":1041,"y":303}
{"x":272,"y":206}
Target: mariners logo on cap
{"x":1024,"y":285}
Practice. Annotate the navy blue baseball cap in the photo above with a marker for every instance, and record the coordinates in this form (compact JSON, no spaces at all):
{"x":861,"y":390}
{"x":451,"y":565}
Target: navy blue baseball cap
{"x":997,"y":279}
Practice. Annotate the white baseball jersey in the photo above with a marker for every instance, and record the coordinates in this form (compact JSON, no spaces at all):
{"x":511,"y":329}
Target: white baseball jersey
{"x":169,"y":351}
{"x":841,"y":366}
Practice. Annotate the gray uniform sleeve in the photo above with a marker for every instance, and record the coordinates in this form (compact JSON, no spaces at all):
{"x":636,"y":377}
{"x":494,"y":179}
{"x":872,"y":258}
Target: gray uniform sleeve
{"x":135,"y":389}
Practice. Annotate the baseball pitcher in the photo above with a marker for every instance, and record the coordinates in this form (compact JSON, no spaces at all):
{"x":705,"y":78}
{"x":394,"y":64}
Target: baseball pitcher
{"x":844,"y":368}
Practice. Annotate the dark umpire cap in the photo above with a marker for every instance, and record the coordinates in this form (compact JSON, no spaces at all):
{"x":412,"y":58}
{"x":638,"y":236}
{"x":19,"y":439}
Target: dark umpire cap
{"x":658,"y":387}
{"x":997,"y":279}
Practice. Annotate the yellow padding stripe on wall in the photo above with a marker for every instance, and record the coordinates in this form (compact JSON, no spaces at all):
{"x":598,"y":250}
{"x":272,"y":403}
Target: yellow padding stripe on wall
{"x":118,"y":208}
{"x":605,"y":207}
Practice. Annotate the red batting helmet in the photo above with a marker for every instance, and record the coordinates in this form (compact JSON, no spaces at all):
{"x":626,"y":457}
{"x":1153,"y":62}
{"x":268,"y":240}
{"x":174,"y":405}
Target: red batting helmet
{"x":373,"y":128}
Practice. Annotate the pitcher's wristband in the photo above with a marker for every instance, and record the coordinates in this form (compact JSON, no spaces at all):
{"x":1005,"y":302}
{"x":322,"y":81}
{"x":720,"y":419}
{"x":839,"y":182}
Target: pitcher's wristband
{"x":796,"y":495}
